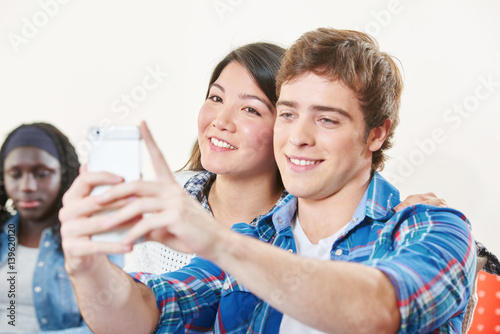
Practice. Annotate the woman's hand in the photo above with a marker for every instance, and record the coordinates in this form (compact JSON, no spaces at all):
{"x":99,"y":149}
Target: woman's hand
{"x":428,"y":198}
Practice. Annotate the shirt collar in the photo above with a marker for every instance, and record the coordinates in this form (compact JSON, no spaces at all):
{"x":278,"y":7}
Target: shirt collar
{"x":198,"y":187}
{"x":377,"y":203}
{"x":16,"y":220}
{"x":12,"y":220}
{"x":284,"y":213}
{"x":382,"y":198}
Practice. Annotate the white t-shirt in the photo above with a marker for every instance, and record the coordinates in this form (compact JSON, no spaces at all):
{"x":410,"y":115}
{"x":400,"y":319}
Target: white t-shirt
{"x":25,"y":317}
{"x":305,"y":248}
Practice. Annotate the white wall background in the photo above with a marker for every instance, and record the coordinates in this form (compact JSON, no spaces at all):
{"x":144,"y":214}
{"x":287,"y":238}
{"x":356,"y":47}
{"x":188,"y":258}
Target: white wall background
{"x":71,"y":63}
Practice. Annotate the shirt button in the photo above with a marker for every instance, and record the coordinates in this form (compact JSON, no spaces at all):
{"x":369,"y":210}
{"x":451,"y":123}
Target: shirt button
{"x":290,"y":250}
{"x":280,"y":221}
{"x":225,"y":286}
{"x":44,"y":320}
{"x":38,"y":289}
{"x":41,"y":263}
{"x":338,"y":252}
{"x":46,"y":243}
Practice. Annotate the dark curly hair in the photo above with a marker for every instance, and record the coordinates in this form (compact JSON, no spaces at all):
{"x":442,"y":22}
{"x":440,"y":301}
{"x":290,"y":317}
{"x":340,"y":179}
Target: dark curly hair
{"x":68,"y":160}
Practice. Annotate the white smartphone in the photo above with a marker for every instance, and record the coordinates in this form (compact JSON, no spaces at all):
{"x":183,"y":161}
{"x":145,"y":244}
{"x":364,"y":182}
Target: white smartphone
{"x":115,"y":149}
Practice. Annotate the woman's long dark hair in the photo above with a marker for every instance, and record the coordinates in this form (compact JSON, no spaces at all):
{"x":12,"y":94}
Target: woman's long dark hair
{"x":262,"y":61}
{"x":68,"y":160}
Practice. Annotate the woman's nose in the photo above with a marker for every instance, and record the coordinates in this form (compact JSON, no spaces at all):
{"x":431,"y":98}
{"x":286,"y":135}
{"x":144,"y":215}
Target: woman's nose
{"x":28,"y":182}
{"x":225,"y":119}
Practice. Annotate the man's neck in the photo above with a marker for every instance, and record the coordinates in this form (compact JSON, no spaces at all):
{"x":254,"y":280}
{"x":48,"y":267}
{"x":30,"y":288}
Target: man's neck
{"x":235,"y":200}
{"x":322,"y":218}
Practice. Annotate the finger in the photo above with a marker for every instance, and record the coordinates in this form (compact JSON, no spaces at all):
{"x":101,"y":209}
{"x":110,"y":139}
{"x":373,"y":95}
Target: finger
{"x":160,"y":165}
{"x":83,"y":169}
{"x":161,"y":235}
{"x":412,"y":200}
{"x":130,"y":189}
{"x":437,"y":202}
{"x":86,"y":182}
{"x":87,"y":207}
{"x":402,"y":205}
{"x":427,"y":198}
{"x":86,"y":227}
{"x":82,"y":247}
{"x":147,"y":225}
{"x":137,"y":208}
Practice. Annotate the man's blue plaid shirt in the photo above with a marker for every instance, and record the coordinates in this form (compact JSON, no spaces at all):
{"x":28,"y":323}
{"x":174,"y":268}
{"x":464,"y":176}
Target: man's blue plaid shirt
{"x":427,"y":252}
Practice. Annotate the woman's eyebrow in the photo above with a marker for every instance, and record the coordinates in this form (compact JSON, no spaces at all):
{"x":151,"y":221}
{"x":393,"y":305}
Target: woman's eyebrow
{"x":218,"y":86}
{"x":255,"y":97}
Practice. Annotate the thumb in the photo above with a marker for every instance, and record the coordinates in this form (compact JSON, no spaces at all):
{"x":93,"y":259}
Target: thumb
{"x":160,"y":166}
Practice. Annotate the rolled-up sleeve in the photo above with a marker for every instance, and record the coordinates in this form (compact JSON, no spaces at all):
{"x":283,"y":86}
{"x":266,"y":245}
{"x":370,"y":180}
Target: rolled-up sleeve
{"x":429,"y":256}
{"x":188,"y":298}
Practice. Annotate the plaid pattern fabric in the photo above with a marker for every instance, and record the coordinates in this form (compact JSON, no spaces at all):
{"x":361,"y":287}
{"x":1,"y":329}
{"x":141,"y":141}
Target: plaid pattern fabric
{"x":427,"y":252}
{"x":199,"y":185}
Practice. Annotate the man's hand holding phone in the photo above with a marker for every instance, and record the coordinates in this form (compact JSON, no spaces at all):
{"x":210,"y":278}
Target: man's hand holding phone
{"x":116,"y":150}
{"x":179,"y":221}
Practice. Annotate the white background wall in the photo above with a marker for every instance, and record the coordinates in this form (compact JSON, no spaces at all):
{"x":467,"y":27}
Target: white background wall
{"x":71,"y":62}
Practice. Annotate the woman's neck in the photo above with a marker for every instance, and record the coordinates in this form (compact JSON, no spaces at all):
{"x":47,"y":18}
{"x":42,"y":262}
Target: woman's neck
{"x":30,"y":231}
{"x":236,"y":200}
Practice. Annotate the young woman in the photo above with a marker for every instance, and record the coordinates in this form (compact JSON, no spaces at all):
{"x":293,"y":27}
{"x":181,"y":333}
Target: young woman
{"x":37,"y":165}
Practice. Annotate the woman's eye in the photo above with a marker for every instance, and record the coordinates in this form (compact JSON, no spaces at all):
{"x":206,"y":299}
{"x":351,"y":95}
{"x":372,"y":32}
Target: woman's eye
{"x":14,"y":174}
{"x":215,"y":98}
{"x":40,"y":173}
{"x":252,"y":111}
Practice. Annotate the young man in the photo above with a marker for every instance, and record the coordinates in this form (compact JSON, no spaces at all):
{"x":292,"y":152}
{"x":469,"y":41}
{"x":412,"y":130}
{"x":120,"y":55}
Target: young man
{"x":363,"y":268}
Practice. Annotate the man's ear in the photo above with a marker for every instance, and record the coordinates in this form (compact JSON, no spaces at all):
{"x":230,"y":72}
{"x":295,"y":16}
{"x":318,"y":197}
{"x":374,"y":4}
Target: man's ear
{"x":378,"y":135}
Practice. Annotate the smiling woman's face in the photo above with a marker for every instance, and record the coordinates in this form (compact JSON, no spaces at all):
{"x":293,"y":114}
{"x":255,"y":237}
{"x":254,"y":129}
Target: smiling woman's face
{"x":235,"y":126}
{"x":32,"y":180}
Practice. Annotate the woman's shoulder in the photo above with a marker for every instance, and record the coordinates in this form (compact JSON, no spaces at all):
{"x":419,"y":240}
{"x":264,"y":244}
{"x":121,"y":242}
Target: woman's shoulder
{"x":9,"y":221}
{"x":183,"y":176}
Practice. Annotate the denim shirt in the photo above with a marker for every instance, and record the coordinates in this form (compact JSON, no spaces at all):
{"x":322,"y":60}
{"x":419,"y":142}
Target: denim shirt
{"x":53,"y":296}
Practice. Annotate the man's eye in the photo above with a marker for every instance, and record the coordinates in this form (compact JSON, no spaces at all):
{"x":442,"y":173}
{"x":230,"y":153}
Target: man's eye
{"x":286,"y":115}
{"x":328,"y":121}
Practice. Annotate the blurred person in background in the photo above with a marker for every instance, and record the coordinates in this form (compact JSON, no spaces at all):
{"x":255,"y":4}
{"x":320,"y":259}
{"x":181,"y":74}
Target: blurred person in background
{"x":37,"y":165}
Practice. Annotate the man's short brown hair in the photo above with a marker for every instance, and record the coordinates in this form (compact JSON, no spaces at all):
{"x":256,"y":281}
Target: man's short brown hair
{"x":355,"y":59}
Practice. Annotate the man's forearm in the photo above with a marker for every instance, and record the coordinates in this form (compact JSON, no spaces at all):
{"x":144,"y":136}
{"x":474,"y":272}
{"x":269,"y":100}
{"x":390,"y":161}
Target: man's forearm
{"x":112,"y":302}
{"x":329,"y":295}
